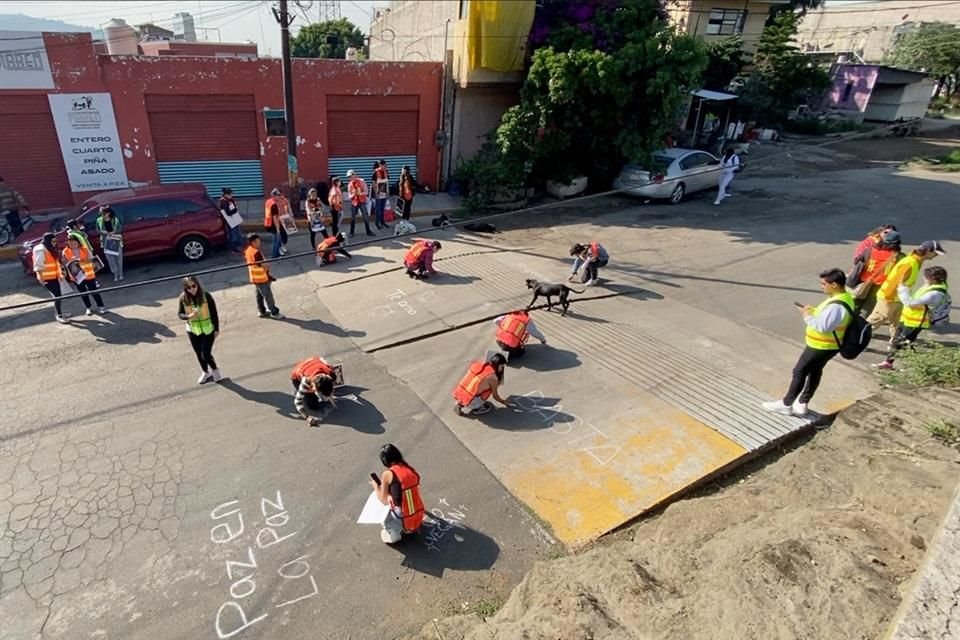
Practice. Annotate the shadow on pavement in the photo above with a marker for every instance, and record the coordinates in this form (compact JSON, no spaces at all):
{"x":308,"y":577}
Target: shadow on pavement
{"x":280,"y":401}
{"x":443,"y":544}
{"x":316,"y":324}
{"x":446,"y":278}
{"x":543,"y":357}
{"x":355,"y":412}
{"x":117,"y":329}
{"x":520,"y":417}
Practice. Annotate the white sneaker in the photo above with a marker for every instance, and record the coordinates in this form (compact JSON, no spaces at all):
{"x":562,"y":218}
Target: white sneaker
{"x":590,"y":283}
{"x":102,"y":310}
{"x":62,"y":320}
{"x":777,"y":407}
{"x":217,"y":376}
{"x":88,"y":312}
{"x":799,"y":409}
{"x":206,"y":376}
{"x":716,"y":203}
{"x":283,"y":251}
{"x":387,"y":538}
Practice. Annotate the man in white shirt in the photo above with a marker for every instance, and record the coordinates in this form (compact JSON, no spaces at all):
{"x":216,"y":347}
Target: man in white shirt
{"x":729,"y":165}
{"x":920,"y":310}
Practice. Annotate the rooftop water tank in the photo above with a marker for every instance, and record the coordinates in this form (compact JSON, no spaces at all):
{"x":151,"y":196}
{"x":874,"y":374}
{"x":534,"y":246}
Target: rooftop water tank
{"x":121,"y":38}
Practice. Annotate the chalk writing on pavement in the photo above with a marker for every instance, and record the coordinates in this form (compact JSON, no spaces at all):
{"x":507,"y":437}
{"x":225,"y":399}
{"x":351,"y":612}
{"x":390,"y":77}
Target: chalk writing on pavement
{"x":442,"y":521}
{"x":600,"y":448}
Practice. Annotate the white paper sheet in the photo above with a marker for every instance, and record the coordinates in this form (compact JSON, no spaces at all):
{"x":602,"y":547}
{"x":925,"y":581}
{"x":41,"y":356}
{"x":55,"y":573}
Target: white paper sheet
{"x":374,"y":512}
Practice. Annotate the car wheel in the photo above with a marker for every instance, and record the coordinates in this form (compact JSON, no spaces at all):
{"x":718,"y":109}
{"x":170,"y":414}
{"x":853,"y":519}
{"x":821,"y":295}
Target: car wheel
{"x":676,"y":196}
{"x":193,"y":248}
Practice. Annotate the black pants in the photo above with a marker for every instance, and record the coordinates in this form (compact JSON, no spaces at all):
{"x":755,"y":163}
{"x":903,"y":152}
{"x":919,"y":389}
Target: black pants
{"x":53,"y":286}
{"x":283,"y":235}
{"x":309,"y":399}
{"x":513,"y":352}
{"x":335,"y":224}
{"x":13,"y":219}
{"x":807,"y":374}
{"x":407,"y":208}
{"x":90,"y":286}
{"x":905,"y":336}
{"x":593,"y":268}
{"x":313,"y":237}
{"x":203,"y":346}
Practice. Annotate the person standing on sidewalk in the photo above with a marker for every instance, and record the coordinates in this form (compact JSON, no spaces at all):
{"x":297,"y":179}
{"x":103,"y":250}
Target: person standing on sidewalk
{"x":75,"y":230}
{"x":314,"y":210}
{"x":874,"y":237}
{"x":275,"y":208}
{"x":729,"y":166}
{"x":199,"y":310}
{"x":399,"y":488}
{"x":335,"y":196}
{"x":513,"y":331}
{"x":870,"y":269}
{"x":232,"y":220}
{"x":110,"y":227}
{"x":46,"y":265}
{"x":406,"y":189}
{"x":75,"y":251}
{"x":930,"y":305}
{"x":826,"y":325}
{"x":12,"y":203}
{"x":260,"y":278}
{"x":381,"y":192}
{"x":905,"y":272}
{"x":357,"y":190}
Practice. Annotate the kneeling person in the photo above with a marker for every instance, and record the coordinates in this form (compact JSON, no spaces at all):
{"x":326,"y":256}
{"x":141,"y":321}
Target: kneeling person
{"x":328,"y":249}
{"x":398,"y":487}
{"x":313,"y":379}
{"x":483,"y":379}
{"x":419,"y":258}
{"x":513,"y":331}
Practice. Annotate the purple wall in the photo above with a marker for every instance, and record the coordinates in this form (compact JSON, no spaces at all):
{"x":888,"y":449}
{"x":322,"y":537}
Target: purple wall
{"x":852,"y":84}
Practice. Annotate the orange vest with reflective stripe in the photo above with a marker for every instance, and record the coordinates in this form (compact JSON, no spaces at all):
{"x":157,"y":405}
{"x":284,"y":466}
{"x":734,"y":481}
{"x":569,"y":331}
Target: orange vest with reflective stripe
{"x":466,"y":391}
{"x":268,"y":212}
{"x":51,"y":267}
{"x":358,"y":191}
{"x":411,"y":505}
{"x":310,"y":368}
{"x":258,"y":273}
{"x":413,"y":255}
{"x":876,"y":268}
{"x":336,"y":198}
{"x":512,"y":331}
{"x":595,"y":249}
{"x":83,"y":256}
{"x":324,"y":246}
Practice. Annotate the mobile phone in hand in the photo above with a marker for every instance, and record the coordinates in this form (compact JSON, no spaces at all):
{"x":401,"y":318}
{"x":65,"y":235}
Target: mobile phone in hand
{"x":376,"y":478}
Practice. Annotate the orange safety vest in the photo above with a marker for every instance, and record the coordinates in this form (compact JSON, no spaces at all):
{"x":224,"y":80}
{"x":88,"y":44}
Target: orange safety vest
{"x":413,"y":255}
{"x":876,"y":269}
{"x":258,"y":272}
{"x":405,"y":190}
{"x":466,"y":391}
{"x":310,"y":368}
{"x":324,"y":246}
{"x":283,"y":209}
{"x":358,"y":191}
{"x":411,"y":505}
{"x":51,"y":267}
{"x":84,"y":258}
{"x":512,"y":331}
{"x":336,"y":199}
{"x":595,"y":249}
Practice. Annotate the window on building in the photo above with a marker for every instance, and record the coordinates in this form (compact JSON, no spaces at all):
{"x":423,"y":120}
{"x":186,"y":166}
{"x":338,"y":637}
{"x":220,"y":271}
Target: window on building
{"x":847,"y":91}
{"x":276,"y":122}
{"x":726,"y":22}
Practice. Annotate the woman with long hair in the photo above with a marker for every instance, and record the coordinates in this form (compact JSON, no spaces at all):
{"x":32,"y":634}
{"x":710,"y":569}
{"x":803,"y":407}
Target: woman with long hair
{"x":399,"y":487}
{"x":199,"y":311}
{"x":82,"y":260}
{"x":407,"y":188}
{"x":314,"y":217}
{"x":46,"y":266}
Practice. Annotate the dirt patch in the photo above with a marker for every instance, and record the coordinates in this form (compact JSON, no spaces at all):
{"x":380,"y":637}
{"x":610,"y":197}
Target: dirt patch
{"x":816,"y":544}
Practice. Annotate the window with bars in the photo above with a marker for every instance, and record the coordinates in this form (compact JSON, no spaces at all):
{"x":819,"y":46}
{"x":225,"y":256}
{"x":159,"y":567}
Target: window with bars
{"x":726,"y":22}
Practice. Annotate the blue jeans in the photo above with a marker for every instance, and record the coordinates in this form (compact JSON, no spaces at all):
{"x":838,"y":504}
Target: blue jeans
{"x":235,"y":238}
{"x":380,"y":206}
{"x":277,"y":242}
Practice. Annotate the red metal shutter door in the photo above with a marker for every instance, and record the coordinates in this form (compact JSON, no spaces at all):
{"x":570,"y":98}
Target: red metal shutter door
{"x":31,"y":161}
{"x":203,"y":127}
{"x":372,"y":125}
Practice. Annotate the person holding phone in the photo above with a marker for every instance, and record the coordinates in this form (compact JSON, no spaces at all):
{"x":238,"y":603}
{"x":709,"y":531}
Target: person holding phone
{"x":199,"y":310}
{"x":398,"y":487}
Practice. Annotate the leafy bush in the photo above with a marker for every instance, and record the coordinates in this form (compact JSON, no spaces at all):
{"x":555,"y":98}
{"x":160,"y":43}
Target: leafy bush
{"x":947,"y":432}
{"x":928,"y":364}
{"x":487,"y":176}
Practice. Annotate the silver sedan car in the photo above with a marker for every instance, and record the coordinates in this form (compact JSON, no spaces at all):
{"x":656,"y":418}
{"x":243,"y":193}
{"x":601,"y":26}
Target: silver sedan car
{"x":681,"y":171}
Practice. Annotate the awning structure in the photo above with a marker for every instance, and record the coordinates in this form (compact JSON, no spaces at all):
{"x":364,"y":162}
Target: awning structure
{"x":716,"y":96}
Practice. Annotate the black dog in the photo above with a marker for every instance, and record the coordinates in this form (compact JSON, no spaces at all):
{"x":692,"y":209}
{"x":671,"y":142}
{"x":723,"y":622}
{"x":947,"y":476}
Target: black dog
{"x":547,"y":289}
{"x":480,"y":227}
{"x":441,"y":221}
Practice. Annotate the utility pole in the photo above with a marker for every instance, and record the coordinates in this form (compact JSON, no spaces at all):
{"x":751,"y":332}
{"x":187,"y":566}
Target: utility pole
{"x":285,"y":19}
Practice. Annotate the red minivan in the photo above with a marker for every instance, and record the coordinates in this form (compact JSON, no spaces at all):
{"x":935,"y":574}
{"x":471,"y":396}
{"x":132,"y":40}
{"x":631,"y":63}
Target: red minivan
{"x":171,"y":218}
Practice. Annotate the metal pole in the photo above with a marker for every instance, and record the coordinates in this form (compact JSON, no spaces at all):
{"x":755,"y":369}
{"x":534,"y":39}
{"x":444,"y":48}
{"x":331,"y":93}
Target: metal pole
{"x":288,"y":110}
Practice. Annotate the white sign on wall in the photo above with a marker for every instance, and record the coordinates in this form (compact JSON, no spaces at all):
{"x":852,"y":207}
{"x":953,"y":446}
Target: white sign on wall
{"x":89,"y":141}
{"x":23,"y":61}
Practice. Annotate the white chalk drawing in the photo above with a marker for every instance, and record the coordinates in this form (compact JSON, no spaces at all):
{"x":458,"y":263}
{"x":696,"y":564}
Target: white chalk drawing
{"x":399,"y":302}
{"x":232,"y":618}
{"x":600,"y":448}
{"x":440,"y":522}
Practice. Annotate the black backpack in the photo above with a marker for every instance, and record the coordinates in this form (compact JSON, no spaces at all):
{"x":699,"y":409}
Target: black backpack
{"x":857,"y":337}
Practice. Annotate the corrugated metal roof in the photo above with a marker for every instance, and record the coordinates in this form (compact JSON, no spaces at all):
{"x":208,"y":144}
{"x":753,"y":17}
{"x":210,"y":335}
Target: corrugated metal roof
{"x":245,"y":177}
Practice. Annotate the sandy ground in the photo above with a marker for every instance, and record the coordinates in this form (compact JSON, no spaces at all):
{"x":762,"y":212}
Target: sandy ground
{"x":816,"y":542}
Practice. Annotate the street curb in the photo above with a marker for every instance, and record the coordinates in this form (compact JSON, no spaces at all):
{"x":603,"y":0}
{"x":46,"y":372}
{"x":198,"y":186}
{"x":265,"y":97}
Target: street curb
{"x":8,"y":253}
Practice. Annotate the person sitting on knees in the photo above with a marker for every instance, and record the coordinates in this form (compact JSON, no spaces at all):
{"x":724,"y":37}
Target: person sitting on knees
{"x":592,"y":257}
{"x":419,"y":259}
{"x":313,"y":380}
{"x":513,"y":331}
{"x":399,"y":487}
{"x":483,"y":379}
{"x":328,"y":249}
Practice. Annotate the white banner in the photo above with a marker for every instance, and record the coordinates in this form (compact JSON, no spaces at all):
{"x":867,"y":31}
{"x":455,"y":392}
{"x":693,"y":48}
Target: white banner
{"x":23,"y":61}
{"x":89,"y":141}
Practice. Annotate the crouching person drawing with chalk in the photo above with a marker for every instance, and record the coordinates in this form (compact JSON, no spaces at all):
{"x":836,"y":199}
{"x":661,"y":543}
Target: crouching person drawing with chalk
{"x":482,"y":380}
{"x":398,"y":487}
{"x":313,"y":379}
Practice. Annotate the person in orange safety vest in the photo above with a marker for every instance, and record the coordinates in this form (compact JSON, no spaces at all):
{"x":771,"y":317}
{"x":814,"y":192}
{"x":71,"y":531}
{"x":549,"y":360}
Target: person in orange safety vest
{"x":260,"y":277}
{"x":482,"y":380}
{"x":513,"y":331}
{"x":419,"y":258}
{"x":328,"y":249}
{"x":870,"y":269}
{"x":398,"y":487}
{"x":275,"y":208}
{"x":46,"y":266}
{"x":77,"y":253}
{"x":357,"y":190}
{"x":313,"y":379}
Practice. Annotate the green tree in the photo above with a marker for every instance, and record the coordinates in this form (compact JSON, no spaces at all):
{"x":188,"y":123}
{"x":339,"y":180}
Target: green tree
{"x":725,"y":60}
{"x":326,"y":40}
{"x":794,"y":6}
{"x":782,"y":77}
{"x":606,"y":88}
{"x":933,"y":47}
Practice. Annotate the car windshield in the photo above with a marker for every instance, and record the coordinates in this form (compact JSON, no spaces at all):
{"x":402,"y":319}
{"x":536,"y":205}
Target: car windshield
{"x":60,"y":222}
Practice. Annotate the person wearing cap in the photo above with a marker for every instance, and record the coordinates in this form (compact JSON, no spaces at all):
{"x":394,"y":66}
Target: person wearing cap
{"x":231,"y":220}
{"x":110,"y":227}
{"x":871,"y":267}
{"x":46,"y":266}
{"x":905,"y":272}
{"x":920,"y":310}
{"x":357,"y":190}
{"x":276,"y":207}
